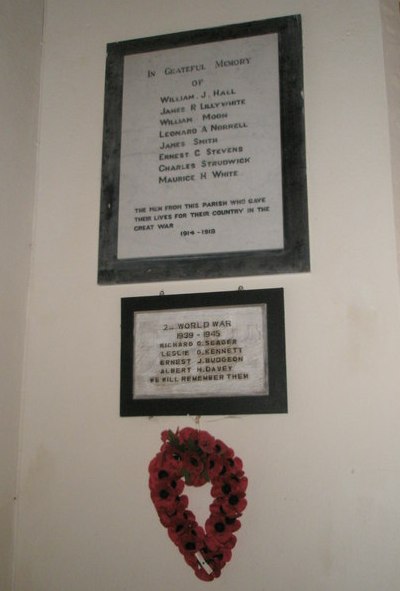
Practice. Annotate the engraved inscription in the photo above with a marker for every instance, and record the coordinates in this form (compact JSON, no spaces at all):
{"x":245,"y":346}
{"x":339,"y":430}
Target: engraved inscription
{"x":200,"y":150}
{"x":185,"y":352}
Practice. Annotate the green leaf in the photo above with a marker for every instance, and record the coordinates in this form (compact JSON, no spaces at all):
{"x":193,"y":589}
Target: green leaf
{"x":172,"y":438}
{"x":186,"y":475}
{"x":192,"y":446}
{"x":205,"y":475}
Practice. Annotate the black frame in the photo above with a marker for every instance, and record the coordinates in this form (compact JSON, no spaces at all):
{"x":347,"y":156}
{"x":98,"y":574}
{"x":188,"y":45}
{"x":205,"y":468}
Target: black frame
{"x":294,"y":257}
{"x":274,"y":402}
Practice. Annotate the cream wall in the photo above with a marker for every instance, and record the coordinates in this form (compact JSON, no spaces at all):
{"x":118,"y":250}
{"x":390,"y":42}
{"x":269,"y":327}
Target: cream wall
{"x":20,"y":49}
{"x":323,"y":509}
{"x":391,"y":45}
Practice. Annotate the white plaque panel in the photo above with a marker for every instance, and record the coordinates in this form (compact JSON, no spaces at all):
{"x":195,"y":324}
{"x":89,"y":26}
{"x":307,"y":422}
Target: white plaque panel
{"x":201,"y":151}
{"x":212,"y":351}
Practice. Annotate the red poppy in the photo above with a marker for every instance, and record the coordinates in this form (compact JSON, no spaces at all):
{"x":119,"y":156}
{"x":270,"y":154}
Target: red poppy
{"x":206,"y":442}
{"x":193,"y":469}
{"x":233,"y":505}
{"x":181,"y":503}
{"x":181,"y":523}
{"x":220,"y":552}
{"x":229,"y":485}
{"x":173,"y":461}
{"x":165,"y":517}
{"x":165,"y":436}
{"x":213,"y":466}
{"x":217,"y":528}
{"x":187,"y":434}
{"x":221,"y":448}
{"x":191,"y":540}
{"x":234,"y":465}
{"x":163,"y":499}
{"x":218,"y":515}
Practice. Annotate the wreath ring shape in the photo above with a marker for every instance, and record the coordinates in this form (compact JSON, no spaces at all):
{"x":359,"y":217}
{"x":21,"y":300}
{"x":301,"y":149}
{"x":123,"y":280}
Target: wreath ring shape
{"x":193,"y":457}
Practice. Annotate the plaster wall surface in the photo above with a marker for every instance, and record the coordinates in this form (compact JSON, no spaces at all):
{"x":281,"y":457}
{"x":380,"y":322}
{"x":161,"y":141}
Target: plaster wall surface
{"x":20,"y":50}
{"x":391,"y":44}
{"x":324,"y":486}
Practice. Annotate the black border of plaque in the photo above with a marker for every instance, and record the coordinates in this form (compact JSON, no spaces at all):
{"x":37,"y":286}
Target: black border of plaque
{"x":275,"y":401}
{"x":294,"y":257}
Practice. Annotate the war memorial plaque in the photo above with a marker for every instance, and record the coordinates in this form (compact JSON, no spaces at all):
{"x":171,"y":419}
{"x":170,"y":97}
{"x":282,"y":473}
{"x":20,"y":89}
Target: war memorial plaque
{"x":214,"y":353}
{"x":203,"y":155}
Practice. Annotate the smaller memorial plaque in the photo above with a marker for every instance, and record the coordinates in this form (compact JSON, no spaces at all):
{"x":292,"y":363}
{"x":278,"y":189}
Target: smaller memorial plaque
{"x":185,"y":352}
{"x":214,"y":353}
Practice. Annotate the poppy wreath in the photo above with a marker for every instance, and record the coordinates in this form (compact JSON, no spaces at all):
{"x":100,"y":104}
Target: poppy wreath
{"x":193,"y":457}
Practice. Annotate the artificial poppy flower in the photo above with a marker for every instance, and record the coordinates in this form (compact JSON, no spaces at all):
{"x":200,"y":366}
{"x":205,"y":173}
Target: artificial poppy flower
{"x":165,"y":436}
{"x":165,"y":517}
{"x":206,"y":442}
{"x":181,"y":524}
{"x":188,"y":434}
{"x":233,"y":465}
{"x":217,"y":528}
{"x":166,"y":479}
{"x":213,"y":466}
{"x":222,"y":523}
{"x":221,"y":448}
{"x":176,"y":484}
{"x":173,"y":461}
{"x":192,"y":540}
{"x":203,"y":575}
{"x":229,"y":485}
{"x":193,"y":469}
{"x":181,"y":503}
{"x":220,"y":553}
{"x":226,"y":554}
{"x":155,"y":464}
{"x":176,"y":532}
{"x":163,"y":498}
{"x":233,"y":505}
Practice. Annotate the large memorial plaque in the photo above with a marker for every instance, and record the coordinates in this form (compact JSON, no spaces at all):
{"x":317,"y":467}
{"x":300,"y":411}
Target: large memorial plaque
{"x":210,"y":155}
{"x":203,"y":156}
{"x":212,"y":353}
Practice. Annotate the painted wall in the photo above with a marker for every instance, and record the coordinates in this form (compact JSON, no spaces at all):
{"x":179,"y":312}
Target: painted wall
{"x":20,"y":49}
{"x":323,"y":507}
{"x":391,"y":46}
